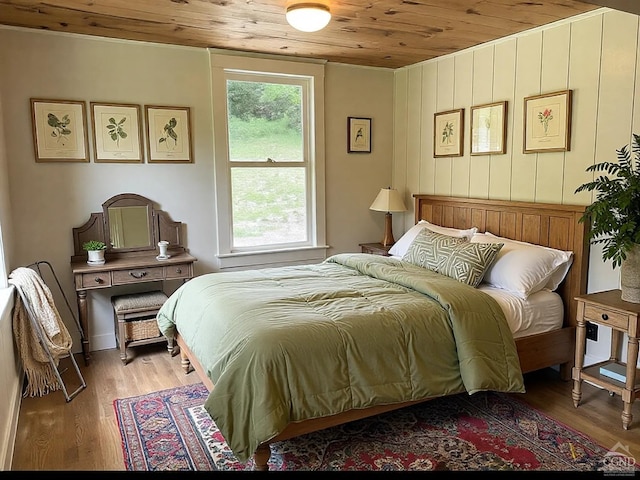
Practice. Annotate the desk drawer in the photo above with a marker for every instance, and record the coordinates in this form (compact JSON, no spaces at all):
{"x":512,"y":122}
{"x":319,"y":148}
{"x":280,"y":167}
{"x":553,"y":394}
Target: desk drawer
{"x":96,"y":280}
{"x":178,"y":271}
{"x":135,"y":275}
{"x":604,"y":316}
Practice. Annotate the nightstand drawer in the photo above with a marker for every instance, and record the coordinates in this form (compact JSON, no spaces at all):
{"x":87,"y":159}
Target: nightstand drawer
{"x":95,"y":280}
{"x":134,"y":275}
{"x":605,"y":316}
{"x":375,"y":249}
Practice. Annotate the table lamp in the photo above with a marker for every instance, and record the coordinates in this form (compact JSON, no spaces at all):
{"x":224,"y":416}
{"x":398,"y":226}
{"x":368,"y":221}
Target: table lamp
{"x":388,"y":200}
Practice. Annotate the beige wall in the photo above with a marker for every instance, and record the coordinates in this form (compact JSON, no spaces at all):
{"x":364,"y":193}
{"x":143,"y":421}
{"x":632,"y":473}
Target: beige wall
{"x":49,"y":199}
{"x":354,"y":179}
{"x":594,"y":55}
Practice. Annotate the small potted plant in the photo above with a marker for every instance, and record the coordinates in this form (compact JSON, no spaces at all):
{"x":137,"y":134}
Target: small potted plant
{"x":95,"y":250}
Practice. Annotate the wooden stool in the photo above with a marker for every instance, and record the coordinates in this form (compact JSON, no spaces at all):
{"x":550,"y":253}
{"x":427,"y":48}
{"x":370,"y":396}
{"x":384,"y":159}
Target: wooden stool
{"x":135,"y":320}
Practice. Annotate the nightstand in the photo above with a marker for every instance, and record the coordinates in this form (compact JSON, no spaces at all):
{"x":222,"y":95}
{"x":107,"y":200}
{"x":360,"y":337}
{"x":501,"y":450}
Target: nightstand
{"x":608,"y":309}
{"x":375,"y":249}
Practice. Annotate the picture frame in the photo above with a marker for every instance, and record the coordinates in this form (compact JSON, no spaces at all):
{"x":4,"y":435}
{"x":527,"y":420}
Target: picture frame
{"x":59,"y":130}
{"x":489,"y":129}
{"x":168,"y":134}
{"x":448,"y":133}
{"x":117,"y":132}
{"x":547,"y":122}
{"x":358,"y":135}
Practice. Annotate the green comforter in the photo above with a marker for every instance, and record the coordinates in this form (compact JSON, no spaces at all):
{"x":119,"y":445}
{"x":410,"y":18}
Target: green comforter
{"x":292,"y":343}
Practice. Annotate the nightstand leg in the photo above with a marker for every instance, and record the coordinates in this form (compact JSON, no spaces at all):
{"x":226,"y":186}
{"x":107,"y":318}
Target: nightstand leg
{"x":616,"y":345}
{"x":627,"y":416}
{"x":628,"y":394}
{"x":581,"y":338}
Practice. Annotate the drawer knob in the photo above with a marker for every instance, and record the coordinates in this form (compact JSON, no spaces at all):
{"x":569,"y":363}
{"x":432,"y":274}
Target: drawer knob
{"x":98,"y":280}
{"x":138,"y":274}
{"x":605,"y":317}
{"x":178,"y":270}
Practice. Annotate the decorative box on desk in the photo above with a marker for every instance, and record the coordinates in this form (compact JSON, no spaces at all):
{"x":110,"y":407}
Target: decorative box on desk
{"x":608,"y":309}
{"x":375,"y":249}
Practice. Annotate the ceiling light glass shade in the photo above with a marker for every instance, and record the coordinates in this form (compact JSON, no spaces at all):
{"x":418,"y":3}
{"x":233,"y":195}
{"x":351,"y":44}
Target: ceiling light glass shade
{"x":308,"y":17}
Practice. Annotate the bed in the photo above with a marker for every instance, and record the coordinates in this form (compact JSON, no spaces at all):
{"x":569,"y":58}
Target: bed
{"x":551,"y":225}
{"x":399,"y":334}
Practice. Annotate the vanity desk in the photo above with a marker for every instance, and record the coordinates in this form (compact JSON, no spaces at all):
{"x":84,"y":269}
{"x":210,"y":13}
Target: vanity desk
{"x":131,"y":227}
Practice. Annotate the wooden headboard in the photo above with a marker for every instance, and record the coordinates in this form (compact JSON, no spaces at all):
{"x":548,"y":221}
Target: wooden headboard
{"x":551,"y":225}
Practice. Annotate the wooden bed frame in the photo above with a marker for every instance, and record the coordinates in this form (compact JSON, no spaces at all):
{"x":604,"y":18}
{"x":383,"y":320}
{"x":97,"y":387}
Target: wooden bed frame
{"x":551,"y":225}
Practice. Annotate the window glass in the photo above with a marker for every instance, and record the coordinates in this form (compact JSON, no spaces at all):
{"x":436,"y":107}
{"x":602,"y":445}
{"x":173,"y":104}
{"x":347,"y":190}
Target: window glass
{"x":264,"y":122}
{"x":266,"y":142}
{"x":269,"y":206}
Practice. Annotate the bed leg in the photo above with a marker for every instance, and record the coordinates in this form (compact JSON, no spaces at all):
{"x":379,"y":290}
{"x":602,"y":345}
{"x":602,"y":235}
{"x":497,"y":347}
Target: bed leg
{"x":185,"y":362}
{"x":261,"y":457}
{"x":172,"y":348}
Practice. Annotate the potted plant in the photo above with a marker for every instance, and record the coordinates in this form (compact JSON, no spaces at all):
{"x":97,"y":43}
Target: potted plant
{"x":615,"y":215}
{"x":95,"y":251}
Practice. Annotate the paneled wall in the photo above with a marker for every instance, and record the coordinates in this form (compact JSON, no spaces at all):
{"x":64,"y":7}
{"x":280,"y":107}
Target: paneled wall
{"x":594,"y":55}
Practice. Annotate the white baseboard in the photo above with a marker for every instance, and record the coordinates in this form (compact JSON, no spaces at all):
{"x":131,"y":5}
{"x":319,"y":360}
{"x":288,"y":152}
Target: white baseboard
{"x":103,"y":342}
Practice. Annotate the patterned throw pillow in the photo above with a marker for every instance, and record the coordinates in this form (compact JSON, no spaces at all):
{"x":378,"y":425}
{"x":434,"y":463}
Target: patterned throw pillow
{"x":431,"y":250}
{"x":469,"y":262}
{"x":452,"y":256}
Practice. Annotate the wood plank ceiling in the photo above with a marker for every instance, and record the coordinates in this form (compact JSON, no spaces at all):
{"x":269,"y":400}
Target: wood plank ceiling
{"x":386,"y":33}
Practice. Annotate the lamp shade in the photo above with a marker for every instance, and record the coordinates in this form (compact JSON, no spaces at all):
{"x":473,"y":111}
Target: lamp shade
{"x":388,"y":200}
{"x":308,"y":17}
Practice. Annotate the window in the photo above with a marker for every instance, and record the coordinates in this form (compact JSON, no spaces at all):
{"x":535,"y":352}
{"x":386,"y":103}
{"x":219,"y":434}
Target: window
{"x":269,"y":157}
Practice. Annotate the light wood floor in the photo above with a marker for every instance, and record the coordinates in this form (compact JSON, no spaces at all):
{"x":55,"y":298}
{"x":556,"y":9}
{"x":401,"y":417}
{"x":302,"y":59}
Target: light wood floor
{"x":83,"y":434}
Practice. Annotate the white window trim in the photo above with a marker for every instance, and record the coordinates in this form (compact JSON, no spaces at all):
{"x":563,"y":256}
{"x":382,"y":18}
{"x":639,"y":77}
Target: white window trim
{"x":252,"y":259}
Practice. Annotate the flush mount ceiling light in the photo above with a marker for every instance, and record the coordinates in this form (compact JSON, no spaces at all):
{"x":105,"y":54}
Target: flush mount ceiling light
{"x":308,"y":17}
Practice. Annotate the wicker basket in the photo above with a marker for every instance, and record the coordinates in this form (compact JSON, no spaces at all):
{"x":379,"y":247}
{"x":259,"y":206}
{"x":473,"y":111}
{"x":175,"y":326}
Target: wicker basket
{"x":141,"y":329}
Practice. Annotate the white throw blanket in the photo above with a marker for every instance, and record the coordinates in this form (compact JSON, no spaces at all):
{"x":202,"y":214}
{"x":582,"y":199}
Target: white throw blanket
{"x":40,"y":373}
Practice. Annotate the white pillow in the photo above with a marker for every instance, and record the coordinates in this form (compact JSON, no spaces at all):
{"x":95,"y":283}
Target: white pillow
{"x":401,"y":246}
{"x":525,"y":268}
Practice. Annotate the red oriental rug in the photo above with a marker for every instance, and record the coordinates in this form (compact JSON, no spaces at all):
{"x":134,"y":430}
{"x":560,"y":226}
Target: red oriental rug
{"x":170,"y":430}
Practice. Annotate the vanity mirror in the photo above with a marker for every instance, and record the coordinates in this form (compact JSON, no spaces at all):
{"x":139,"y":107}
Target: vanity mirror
{"x":128,"y":224}
{"x":129,"y":220}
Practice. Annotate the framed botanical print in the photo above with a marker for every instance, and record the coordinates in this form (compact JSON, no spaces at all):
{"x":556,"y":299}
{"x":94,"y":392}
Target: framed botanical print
{"x":489,"y":129}
{"x":116,"y":132}
{"x":59,"y":130}
{"x":448,"y":133}
{"x":547,"y":122}
{"x":358,"y":135}
{"x":168,"y":134}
